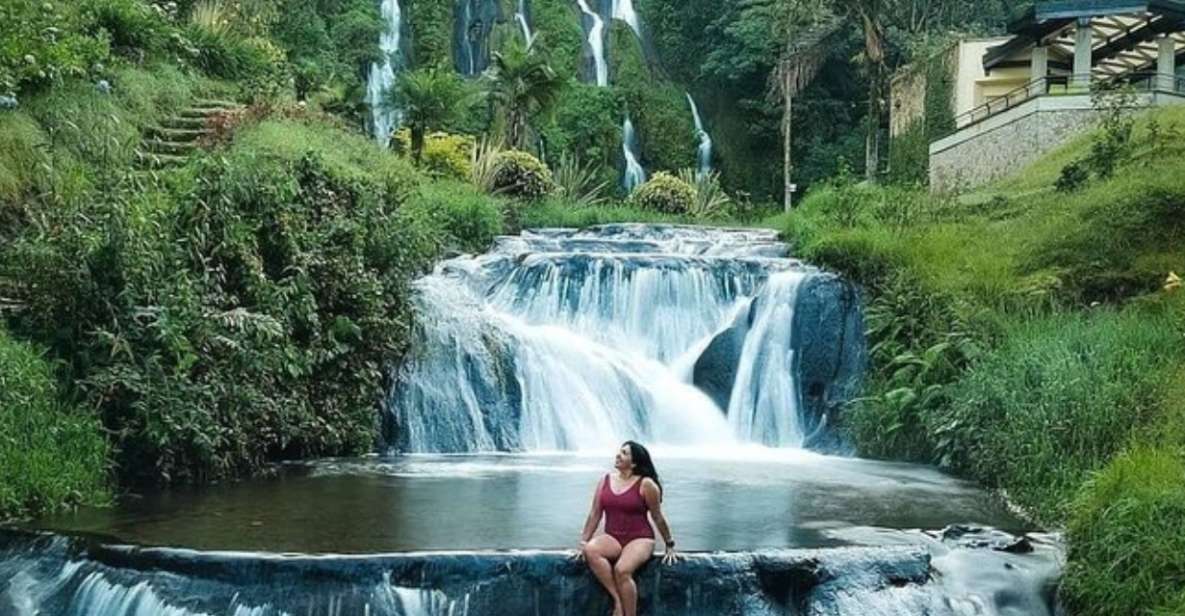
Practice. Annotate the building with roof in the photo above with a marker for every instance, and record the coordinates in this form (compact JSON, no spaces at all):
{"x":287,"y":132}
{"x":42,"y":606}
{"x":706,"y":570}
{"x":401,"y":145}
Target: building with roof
{"x":991,"y":106}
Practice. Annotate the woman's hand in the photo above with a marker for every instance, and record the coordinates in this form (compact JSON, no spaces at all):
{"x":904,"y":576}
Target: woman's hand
{"x":579,"y":555}
{"x":670,"y":557}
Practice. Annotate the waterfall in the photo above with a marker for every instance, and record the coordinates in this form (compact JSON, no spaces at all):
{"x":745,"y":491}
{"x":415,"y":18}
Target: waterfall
{"x":381,"y":80}
{"x":635,"y":175}
{"x":596,"y":43}
{"x":703,"y":152}
{"x":624,"y":10}
{"x":520,"y":16}
{"x":565,"y":340}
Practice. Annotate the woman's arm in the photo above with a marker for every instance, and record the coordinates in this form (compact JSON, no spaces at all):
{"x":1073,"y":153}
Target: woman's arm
{"x":594,"y":516}
{"x":650,"y":492}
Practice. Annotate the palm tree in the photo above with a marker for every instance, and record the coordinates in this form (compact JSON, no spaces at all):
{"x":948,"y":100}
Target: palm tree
{"x":430,"y":98}
{"x":800,"y":63}
{"x":522,"y":84}
{"x":872,"y":15}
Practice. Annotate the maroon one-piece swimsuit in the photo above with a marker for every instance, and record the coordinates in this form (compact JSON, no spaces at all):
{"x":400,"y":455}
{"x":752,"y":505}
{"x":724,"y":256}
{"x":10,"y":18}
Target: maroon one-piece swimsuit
{"x":625,"y":513}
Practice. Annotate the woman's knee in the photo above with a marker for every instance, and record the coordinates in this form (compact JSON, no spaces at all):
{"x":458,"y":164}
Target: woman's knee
{"x":622,"y":571}
{"x":591,"y":552}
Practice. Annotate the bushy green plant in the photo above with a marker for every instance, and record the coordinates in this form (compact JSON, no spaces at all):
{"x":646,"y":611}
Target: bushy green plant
{"x":710,"y":199}
{"x":469,"y":218}
{"x":579,"y":183}
{"x":131,"y":25}
{"x":444,"y":155}
{"x":52,"y":455}
{"x":519,"y":174}
{"x":664,"y":193}
{"x":1127,"y":551}
{"x":43,"y":43}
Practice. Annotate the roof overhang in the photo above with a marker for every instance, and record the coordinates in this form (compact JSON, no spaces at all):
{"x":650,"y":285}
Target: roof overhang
{"x":1125,"y":32}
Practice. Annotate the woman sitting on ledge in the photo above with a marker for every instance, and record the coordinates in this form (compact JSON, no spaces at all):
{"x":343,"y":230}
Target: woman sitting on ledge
{"x":625,"y":497}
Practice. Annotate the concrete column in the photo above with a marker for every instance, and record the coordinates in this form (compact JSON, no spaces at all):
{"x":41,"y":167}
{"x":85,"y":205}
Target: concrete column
{"x":1166,"y":64}
{"x":1040,"y":68}
{"x":1083,"y":43}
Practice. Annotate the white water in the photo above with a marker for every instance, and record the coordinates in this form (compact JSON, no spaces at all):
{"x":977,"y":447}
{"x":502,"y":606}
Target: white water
{"x":384,"y":119}
{"x":635,"y":174}
{"x":703,"y":153}
{"x":764,"y":407}
{"x":596,"y":43}
{"x":624,"y":10}
{"x":578,"y":341}
{"x":520,"y":16}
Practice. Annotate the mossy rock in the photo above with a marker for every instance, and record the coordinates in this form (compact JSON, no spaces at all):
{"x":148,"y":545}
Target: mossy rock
{"x":519,"y":174}
{"x":665,"y":193}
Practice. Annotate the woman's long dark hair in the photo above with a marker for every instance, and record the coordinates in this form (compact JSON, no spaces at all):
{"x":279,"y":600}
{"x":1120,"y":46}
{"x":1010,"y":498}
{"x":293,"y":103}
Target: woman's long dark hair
{"x":643,"y":465}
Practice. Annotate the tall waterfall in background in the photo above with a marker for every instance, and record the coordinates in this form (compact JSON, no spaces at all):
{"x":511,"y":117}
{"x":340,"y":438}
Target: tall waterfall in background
{"x":703,"y":152}
{"x":522,"y":16}
{"x":596,"y":43}
{"x":565,"y":340}
{"x":381,"y":80}
{"x":635,"y":175}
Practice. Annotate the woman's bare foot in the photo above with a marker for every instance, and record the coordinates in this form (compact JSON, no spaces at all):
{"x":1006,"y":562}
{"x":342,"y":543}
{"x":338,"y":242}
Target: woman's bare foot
{"x":617,"y":611}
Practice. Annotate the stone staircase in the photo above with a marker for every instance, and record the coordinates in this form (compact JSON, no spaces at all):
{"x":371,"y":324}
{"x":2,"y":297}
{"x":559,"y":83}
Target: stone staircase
{"x":177,"y":137}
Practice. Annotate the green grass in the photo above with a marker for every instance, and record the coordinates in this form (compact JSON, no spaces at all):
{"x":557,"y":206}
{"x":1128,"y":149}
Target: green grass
{"x":52,"y":455}
{"x":1127,"y":551}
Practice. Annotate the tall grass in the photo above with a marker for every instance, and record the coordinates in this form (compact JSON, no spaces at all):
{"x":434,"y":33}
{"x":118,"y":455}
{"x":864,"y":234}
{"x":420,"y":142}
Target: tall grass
{"x":1058,"y":400}
{"x":52,"y":455}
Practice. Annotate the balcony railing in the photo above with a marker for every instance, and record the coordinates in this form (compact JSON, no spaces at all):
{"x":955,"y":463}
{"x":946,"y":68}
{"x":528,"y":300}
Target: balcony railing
{"x":1056,"y":85}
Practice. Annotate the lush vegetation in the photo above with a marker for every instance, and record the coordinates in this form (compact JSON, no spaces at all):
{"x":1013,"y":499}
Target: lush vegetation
{"x":1032,"y":340}
{"x":52,"y":454}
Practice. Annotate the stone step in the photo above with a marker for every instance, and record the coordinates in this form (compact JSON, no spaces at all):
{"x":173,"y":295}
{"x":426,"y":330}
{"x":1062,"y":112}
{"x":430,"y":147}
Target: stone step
{"x":203,"y":113}
{"x":157,"y":146}
{"x":207,"y":103}
{"x":154,"y":160}
{"x":178,"y":135}
{"x":184,"y":123}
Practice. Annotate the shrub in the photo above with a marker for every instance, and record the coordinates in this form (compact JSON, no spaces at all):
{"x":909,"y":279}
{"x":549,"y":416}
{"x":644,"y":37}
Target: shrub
{"x":665,"y":193}
{"x":42,"y":43}
{"x":132,"y":25}
{"x":444,"y":156}
{"x":52,"y":455}
{"x":710,"y":199}
{"x":519,"y":174}
{"x":470,"y":219}
{"x":578,"y":183}
{"x":1127,"y":551}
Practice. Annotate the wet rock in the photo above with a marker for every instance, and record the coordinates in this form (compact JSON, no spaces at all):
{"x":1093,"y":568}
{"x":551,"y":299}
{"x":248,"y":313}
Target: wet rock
{"x":8,"y":103}
{"x":77,"y":576}
{"x":715,"y":371}
{"x":831,"y":354}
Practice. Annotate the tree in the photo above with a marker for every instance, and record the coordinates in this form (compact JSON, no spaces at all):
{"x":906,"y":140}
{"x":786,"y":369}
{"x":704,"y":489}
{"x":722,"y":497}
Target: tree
{"x":522,"y":84}
{"x":430,"y":98}
{"x":801,"y":61}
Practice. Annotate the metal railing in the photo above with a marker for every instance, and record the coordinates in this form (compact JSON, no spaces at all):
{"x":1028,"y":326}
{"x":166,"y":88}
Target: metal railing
{"x":1057,"y":85}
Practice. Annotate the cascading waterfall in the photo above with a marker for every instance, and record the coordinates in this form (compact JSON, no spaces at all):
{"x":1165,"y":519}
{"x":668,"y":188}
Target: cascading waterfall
{"x":703,"y":152}
{"x":569,"y":340}
{"x":595,"y":33}
{"x":635,"y":174}
{"x":524,"y":22}
{"x":624,"y":10}
{"x":384,"y":117}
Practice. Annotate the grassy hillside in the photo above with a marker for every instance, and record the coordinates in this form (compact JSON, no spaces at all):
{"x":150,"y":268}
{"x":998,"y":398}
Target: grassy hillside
{"x":1024,"y":336}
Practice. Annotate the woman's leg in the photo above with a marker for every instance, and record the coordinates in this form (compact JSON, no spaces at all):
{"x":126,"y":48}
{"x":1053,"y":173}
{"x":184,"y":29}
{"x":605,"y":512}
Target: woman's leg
{"x":633,"y":555}
{"x":599,"y":553}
